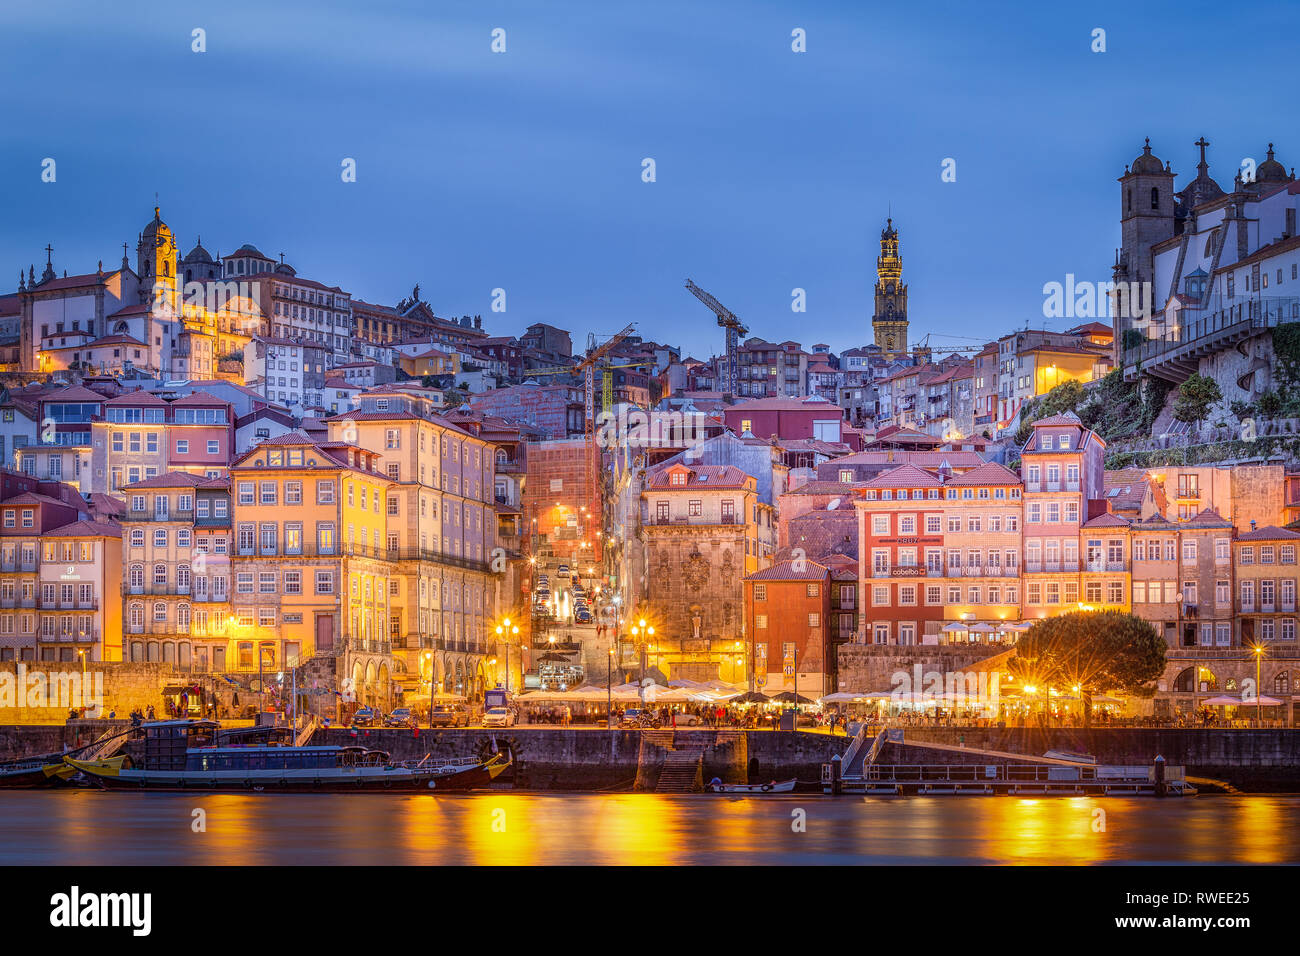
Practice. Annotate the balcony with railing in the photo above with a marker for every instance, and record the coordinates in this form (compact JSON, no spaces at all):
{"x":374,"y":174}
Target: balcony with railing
{"x":57,"y":605}
{"x":1101,"y":566}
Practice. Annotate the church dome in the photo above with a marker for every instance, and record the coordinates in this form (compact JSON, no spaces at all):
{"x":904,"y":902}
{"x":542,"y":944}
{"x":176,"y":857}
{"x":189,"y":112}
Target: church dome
{"x":285,"y":269}
{"x":197,"y":255}
{"x":1271,"y":171}
{"x":156,"y":225}
{"x":1147,"y":162}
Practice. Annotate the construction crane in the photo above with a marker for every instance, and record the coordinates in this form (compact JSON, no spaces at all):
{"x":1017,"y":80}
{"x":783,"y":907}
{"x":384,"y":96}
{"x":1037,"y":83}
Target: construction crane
{"x":735,"y":329}
{"x":925,"y":346}
{"x":587,"y":367}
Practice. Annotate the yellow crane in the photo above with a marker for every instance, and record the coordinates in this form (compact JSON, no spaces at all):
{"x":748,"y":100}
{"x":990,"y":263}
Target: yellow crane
{"x":735,"y":329}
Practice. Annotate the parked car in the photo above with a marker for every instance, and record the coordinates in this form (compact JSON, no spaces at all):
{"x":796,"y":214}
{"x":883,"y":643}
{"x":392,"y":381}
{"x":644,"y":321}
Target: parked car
{"x":498,"y":717}
{"x":562,"y":571}
{"x":582,"y":616}
{"x":401,"y":717}
{"x":686,"y":720}
{"x":366,"y":717}
{"x":541,"y":609}
{"x":449,"y":715}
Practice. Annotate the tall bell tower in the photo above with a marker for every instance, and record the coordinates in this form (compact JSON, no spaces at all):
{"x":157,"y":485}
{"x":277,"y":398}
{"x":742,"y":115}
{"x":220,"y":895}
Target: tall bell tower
{"x":890,"y":320}
{"x":156,"y":259}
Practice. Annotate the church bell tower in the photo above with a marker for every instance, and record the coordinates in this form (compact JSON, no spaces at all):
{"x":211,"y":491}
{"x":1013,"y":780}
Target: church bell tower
{"x":890,"y":320}
{"x":156,"y":258}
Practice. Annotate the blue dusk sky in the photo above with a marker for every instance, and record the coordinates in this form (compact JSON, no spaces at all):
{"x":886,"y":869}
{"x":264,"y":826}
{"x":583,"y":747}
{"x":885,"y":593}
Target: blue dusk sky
{"x":522,"y":170}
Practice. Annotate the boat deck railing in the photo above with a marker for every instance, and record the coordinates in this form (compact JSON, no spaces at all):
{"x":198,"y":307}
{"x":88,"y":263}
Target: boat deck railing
{"x":428,"y":762}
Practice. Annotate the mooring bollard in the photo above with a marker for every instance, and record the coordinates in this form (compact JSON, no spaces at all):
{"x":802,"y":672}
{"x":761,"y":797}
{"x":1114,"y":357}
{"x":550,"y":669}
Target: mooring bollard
{"x":1158,"y":775}
{"x":835,"y":774}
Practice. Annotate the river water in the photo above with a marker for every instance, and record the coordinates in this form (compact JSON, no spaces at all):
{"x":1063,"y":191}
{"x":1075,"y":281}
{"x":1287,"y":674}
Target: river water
{"x":510,"y":827}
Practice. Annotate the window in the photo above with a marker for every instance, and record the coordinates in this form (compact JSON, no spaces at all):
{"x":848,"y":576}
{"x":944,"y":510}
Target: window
{"x":293,"y":492}
{"x":814,"y":590}
{"x":760,"y":592}
{"x":814,"y":620}
{"x":325,"y":492}
{"x":325,"y":582}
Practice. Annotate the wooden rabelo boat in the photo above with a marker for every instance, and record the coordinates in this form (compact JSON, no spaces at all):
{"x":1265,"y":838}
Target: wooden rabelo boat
{"x":184,"y":755}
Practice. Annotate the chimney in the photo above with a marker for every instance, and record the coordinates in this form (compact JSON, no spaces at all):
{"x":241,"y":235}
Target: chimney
{"x":1252,"y":524}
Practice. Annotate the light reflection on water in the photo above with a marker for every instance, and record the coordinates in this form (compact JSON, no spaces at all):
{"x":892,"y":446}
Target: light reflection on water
{"x":86,"y":827}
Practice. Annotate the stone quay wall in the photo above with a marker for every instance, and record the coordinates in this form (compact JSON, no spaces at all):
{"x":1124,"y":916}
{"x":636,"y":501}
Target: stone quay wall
{"x":573,"y":759}
{"x":864,"y":667}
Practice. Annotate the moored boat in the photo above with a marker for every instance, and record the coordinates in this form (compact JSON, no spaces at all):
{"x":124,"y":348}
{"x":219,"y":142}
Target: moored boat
{"x":37,"y":773}
{"x":782,"y":786}
{"x":181,"y":755}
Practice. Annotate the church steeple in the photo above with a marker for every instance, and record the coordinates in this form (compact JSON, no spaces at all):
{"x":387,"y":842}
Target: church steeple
{"x":890,"y":320}
{"x":156,"y":254}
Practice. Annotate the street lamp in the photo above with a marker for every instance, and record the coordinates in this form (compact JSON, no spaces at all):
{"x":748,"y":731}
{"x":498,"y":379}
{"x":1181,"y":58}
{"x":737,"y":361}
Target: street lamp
{"x":428,"y":659}
{"x":1258,"y":650}
{"x":503,"y":629}
{"x":609,"y":691}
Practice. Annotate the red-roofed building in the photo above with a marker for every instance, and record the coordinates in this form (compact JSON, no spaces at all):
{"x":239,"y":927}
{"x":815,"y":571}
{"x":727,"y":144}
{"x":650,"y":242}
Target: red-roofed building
{"x":787,"y":418}
{"x":788,"y":620}
{"x":900,"y":527}
{"x":142,"y":434}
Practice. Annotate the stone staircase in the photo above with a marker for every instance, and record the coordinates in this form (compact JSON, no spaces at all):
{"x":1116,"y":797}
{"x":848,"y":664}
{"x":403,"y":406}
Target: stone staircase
{"x":681,"y":771}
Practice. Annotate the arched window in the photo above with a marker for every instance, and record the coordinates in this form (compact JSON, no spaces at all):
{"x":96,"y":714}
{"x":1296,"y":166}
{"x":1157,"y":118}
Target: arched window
{"x":183,"y":618}
{"x":1155,"y":198}
{"x":137,"y":651}
{"x":160,"y":611}
{"x":137,"y":575}
{"x":1282,"y":683}
{"x":137,"y":616}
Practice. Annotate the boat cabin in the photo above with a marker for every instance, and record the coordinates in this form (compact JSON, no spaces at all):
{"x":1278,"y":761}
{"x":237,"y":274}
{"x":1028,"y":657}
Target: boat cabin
{"x":268,"y":758}
{"x":167,"y":742}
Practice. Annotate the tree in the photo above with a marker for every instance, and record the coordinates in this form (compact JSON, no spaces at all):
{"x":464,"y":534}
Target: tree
{"x":1096,"y":651}
{"x":1064,"y":397}
{"x":1196,"y":397}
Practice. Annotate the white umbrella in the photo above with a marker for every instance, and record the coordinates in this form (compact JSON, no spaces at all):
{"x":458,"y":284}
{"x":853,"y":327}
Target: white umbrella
{"x":955,"y":626}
